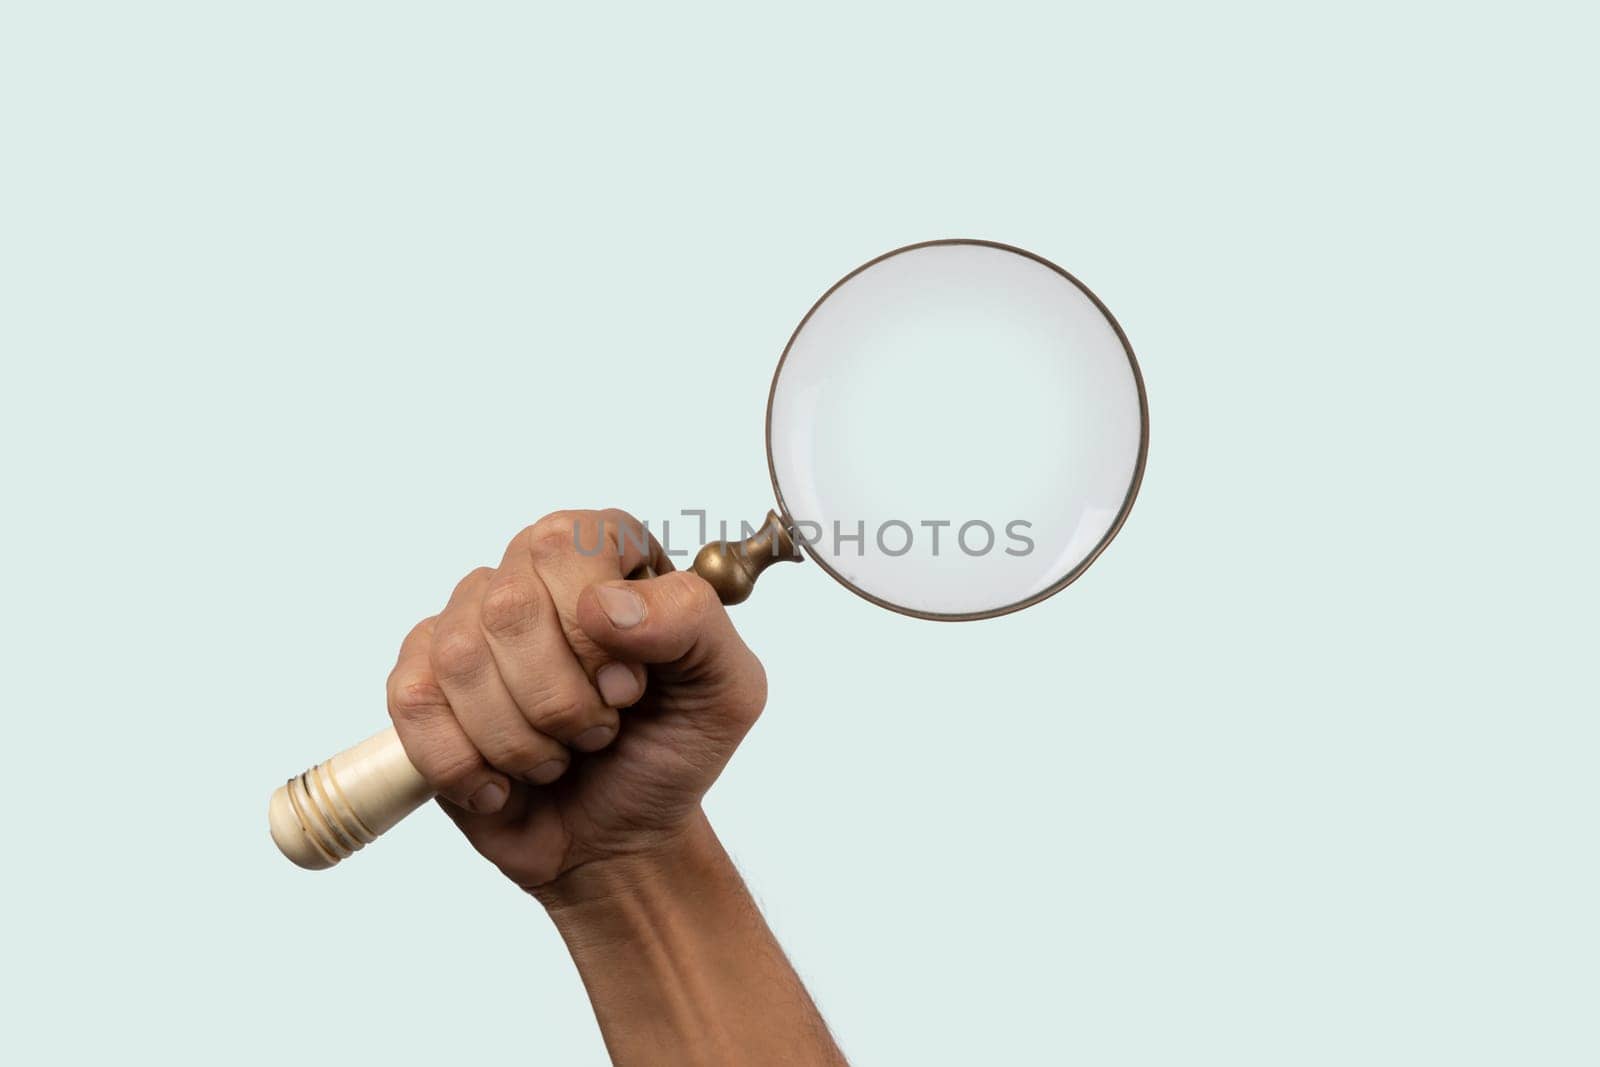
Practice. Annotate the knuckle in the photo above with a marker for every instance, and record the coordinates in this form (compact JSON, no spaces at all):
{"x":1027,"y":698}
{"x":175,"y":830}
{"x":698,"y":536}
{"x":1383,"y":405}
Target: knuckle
{"x":563,"y":533}
{"x":753,"y":688}
{"x":563,"y":714}
{"x":541,"y":769}
{"x":514,"y":753}
{"x":448,"y":771}
{"x":557,"y":521}
{"x":603,"y":532}
{"x":458,"y":653}
{"x":511,"y":606}
{"x":477,"y":574}
{"x":414,"y":697}
{"x":690,"y":596}
{"x":550,"y":542}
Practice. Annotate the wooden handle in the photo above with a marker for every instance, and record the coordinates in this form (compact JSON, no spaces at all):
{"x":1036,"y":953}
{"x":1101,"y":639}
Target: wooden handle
{"x":340,"y":806}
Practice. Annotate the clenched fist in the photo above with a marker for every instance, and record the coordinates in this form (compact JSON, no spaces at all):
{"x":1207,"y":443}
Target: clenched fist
{"x":565,"y":714}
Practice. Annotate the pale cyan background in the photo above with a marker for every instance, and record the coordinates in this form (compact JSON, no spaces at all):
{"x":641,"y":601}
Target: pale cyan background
{"x":306,"y":308}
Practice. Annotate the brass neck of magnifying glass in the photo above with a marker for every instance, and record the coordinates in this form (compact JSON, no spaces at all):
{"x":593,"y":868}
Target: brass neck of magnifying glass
{"x":733,"y":567}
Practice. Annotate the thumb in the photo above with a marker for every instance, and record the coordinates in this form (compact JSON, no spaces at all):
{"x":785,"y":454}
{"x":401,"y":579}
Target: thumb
{"x":676,"y":624}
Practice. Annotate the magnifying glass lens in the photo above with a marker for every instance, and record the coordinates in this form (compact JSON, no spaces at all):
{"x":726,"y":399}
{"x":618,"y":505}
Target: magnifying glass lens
{"x":956,"y":430}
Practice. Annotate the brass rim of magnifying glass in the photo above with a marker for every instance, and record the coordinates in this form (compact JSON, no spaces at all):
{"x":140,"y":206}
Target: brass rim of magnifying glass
{"x":1127,"y":501}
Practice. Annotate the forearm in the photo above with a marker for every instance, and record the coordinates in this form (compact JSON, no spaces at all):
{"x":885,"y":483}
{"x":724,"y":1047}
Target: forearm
{"x":679,"y":964}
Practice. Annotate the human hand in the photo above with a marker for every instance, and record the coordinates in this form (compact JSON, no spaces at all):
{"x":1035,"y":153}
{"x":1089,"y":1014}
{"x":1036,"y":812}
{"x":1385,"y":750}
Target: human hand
{"x":508,"y":700}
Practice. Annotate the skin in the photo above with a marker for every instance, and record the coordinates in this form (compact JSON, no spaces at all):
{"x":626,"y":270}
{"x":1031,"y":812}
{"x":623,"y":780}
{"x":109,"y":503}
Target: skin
{"x":571,"y":722}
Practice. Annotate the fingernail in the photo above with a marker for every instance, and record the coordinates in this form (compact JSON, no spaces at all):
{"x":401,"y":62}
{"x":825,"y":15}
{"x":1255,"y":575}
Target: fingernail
{"x":617,"y":685}
{"x":489,"y":799}
{"x":547,"y":772}
{"x":622,"y":607}
{"x":592,"y":738}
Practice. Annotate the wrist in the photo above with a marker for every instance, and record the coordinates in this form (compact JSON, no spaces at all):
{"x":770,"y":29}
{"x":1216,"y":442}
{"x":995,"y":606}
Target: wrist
{"x":678,"y":963}
{"x":683,"y":858}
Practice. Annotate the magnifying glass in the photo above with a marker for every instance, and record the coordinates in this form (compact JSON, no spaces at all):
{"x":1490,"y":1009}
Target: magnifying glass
{"x":955,"y":431}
